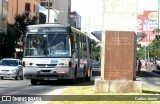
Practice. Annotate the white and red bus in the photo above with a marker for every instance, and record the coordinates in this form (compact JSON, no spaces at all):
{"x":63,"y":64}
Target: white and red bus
{"x":54,"y":52}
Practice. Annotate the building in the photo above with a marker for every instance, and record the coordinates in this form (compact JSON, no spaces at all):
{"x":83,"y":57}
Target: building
{"x":59,"y":10}
{"x":3,"y":13}
{"x":52,"y":18}
{"x":16,"y":7}
{"x":63,"y":9}
{"x":20,"y":6}
{"x":75,"y":20}
{"x":45,"y":3}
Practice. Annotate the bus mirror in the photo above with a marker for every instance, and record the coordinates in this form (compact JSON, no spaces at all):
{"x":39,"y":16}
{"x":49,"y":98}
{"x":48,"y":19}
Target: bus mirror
{"x":74,"y":38}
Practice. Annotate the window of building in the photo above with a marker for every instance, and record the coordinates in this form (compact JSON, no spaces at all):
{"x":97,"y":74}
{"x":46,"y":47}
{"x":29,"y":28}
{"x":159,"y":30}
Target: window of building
{"x":45,"y":4}
{"x":27,"y":7}
{"x":50,"y":4}
{"x":42,"y":3}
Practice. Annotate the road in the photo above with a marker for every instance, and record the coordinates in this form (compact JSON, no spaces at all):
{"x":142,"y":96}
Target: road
{"x":149,"y":78}
{"x":13,"y":87}
{"x":23,"y":87}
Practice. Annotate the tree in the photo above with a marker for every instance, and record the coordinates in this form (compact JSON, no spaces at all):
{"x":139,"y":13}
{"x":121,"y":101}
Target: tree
{"x":14,"y":33}
{"x":7,"y":43}
{"x":154,"y":48}
{"x":96,"y":50}
{"x":17,"y":33}
{"x":22,"y":21}
{"x":141,"y":52}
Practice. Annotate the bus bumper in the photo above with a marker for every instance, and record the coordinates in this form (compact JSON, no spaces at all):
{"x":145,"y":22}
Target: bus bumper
{"x":45,"y":74}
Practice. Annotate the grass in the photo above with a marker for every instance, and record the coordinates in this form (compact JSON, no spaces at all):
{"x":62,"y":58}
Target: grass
{"x":89,"y":90}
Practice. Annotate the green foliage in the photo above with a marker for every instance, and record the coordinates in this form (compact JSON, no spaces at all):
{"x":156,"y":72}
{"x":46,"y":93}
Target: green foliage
{"x":96,"y":50}
{"x":7,"y":43}
{"x":14,"y":32}
{"x":153,"y":49}
{"x":141,"y":52}
{"x":23,"y":20}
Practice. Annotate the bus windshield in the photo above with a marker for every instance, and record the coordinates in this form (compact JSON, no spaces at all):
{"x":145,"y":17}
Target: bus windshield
{"x":48,"y":45}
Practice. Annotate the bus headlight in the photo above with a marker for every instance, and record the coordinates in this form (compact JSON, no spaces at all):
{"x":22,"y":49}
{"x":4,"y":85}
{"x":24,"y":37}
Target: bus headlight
{"x":65,"y":64}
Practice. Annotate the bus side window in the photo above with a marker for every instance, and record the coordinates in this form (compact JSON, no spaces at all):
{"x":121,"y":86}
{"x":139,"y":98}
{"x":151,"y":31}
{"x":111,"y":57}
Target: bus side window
{"x":74,"y":47}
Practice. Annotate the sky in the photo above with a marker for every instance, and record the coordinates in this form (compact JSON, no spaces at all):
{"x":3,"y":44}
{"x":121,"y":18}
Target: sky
{"x":90,"y":11}
{"x":147,"y":5}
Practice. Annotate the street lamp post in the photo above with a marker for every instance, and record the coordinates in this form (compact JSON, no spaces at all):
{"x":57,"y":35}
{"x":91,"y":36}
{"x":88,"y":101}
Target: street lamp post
{"x":48,"y":10}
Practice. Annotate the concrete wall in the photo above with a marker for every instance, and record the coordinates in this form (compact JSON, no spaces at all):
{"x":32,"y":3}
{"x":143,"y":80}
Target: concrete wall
{"x":63,"y":7}
{"x":118,"y":15}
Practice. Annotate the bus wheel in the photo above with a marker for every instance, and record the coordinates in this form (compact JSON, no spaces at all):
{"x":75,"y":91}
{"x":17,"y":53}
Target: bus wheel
{"x":33,"y":82}
{"x":21,"y":77}
{"x":73,"y":81}
{"x":88,"y":76}
{"x":17,"y":76}
{"x":1,"y":78}
{"x":84,"y":76}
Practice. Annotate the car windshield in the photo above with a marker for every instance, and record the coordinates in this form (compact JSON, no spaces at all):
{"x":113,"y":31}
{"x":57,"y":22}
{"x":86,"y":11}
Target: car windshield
{"x":48,"y":45}
{"x":9,"y":62}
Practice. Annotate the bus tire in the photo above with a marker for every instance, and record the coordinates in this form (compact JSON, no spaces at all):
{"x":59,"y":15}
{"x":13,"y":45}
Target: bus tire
{"x":84,"y":75}
{"x":73,"y":80}
{"x":21,"y":77}
{"x":17,"y":76}
{"x":88,"y":76}
{"x":33,"y":82}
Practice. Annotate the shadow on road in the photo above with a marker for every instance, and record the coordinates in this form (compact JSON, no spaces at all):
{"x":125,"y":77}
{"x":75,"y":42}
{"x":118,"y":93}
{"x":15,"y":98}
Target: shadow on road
{"x":150,"y":92}
{"x":146,"y":74}
{"x":79,"y":82}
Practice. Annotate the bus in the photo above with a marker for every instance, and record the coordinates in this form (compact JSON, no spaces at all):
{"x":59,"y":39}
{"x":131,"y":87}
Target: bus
{"x":56,"y":52}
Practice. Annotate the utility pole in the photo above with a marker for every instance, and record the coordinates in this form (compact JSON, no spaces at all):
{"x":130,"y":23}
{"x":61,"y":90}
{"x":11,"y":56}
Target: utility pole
{"x":1,"y":10}
{"x":89,"y":26}
{"x":48,"y":10}
{"x":158,"y":17}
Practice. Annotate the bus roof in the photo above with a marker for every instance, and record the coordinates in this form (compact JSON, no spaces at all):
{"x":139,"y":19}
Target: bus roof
{"x":47,"y":25}
{"x":75,"y":30}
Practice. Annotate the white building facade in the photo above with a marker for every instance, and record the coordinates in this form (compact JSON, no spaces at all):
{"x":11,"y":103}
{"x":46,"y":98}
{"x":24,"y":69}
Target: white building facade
{"x":58,"y":12}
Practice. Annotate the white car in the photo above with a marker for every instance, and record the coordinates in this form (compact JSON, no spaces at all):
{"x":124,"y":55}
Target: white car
{"x":11,"y":68}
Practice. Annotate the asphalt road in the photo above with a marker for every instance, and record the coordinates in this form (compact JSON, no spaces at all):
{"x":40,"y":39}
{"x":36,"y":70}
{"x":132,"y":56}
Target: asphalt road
{"x":23,"y":87}
{"x":149,"y":78}
{"x":13,"y":87}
